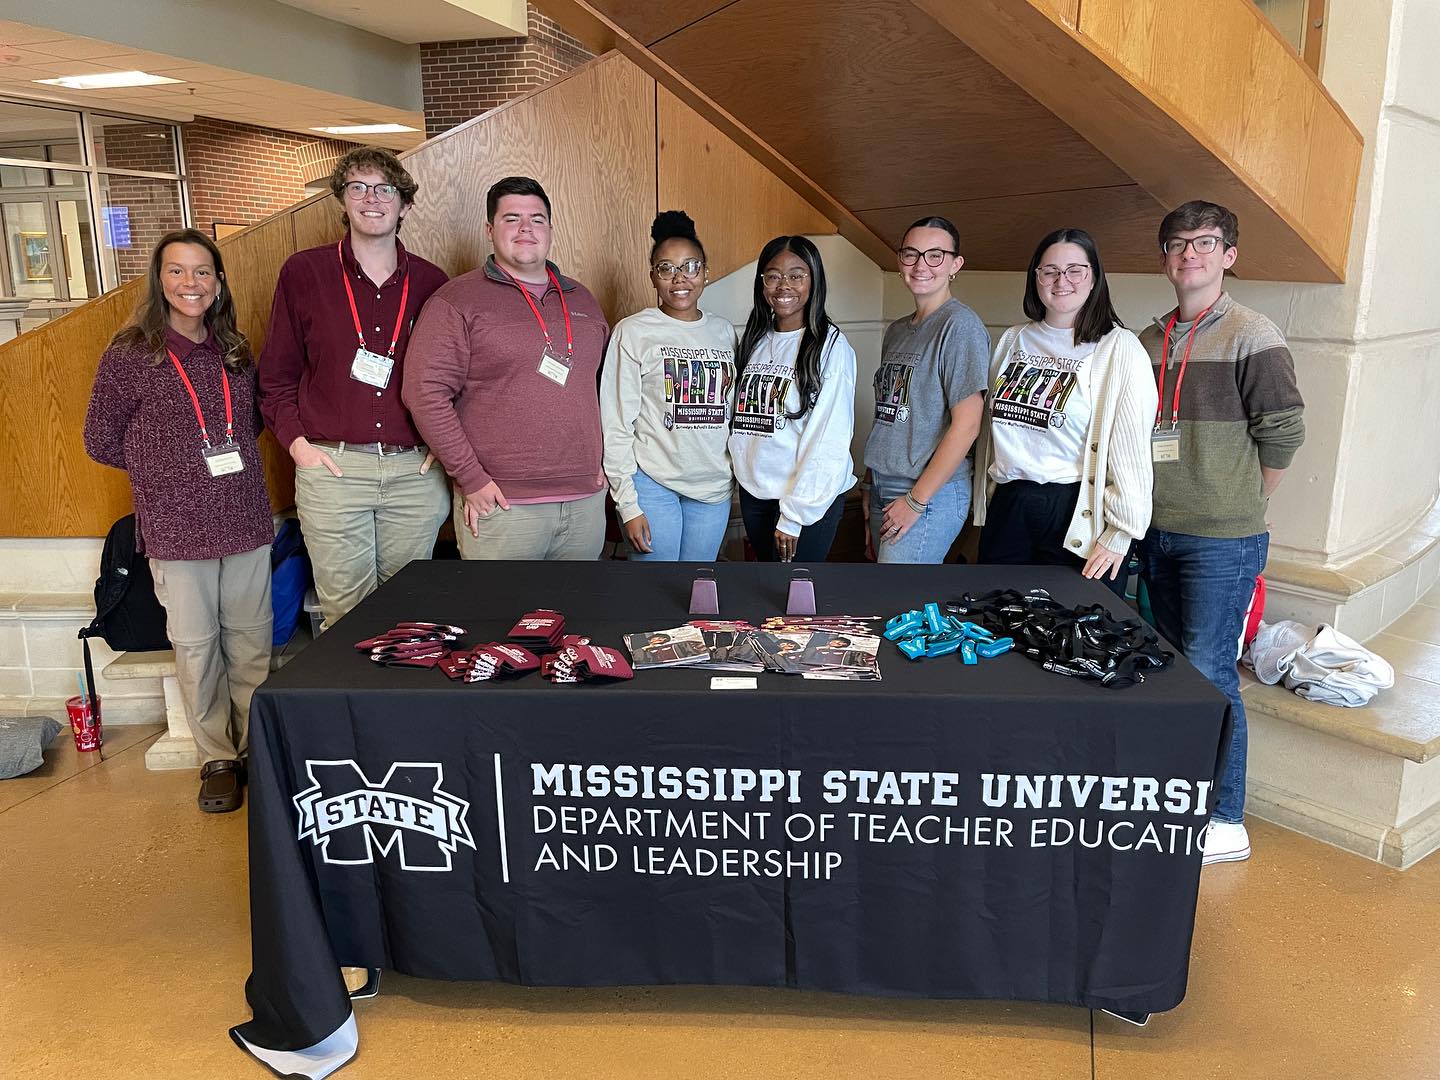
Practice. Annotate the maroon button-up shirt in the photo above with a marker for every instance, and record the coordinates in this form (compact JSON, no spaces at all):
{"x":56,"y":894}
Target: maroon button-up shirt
{"x":305,"y":383}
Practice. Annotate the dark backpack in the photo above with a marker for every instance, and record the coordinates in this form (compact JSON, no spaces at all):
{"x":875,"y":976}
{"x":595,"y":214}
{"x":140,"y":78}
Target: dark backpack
{"x":127,"y":615}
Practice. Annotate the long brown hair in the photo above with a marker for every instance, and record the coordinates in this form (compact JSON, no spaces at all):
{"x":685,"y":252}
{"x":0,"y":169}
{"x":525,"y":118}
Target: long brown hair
{"x":146,"y":327}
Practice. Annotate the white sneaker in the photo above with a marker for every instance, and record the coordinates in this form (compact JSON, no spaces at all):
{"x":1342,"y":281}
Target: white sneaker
{"x":1225,"y":842}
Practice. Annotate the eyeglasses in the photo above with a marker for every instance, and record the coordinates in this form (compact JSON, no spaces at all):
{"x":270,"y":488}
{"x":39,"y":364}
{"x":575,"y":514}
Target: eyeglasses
{"x":1074,"y":273}
{"x":933,"y":256}
{"x":796,"y":278}
{"x":1203,"y":245}
{"x":690,"y":268}
{"x":356,"y":190}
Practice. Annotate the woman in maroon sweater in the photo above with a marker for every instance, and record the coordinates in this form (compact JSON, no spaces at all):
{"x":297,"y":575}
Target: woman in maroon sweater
{"x":174,"y":406}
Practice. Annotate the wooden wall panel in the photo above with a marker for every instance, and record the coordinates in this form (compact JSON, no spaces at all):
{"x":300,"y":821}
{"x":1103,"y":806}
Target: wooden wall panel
{"x":1221,"y":68}
{"x":317,"y":221}
{"x":589,"y":138}
{"x":736,"y":202}
{"x":51,"y":487}
{"x":260,"y":251}
{"x":648,"y":21}
{"x":879,"y":105}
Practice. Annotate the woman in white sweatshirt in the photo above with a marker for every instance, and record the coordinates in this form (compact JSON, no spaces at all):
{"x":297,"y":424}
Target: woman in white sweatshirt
{"x":665,"y":396}
{"x":1062,"y":468}
{"x":794,"y":409}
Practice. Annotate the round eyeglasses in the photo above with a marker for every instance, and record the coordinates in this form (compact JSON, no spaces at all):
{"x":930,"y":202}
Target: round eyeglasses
{"x":356,"y":190}
{"x":689,"y":268}
{"x":1074,"y":273}
{"x":795,"y":278}
{"x":933,"y":256}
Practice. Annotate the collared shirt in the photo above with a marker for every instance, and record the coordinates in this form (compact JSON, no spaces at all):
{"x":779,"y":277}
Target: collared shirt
{"x":305,"y":382}
{"x":482,"y":405}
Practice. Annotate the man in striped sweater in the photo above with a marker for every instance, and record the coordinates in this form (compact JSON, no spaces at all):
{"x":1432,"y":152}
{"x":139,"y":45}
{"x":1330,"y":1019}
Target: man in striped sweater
{"x":1229,"y":423}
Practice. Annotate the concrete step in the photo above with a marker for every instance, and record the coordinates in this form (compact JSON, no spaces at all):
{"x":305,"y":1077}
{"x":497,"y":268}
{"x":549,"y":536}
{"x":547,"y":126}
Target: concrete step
{"x":176,"y":749}
{"x":41,"y":657}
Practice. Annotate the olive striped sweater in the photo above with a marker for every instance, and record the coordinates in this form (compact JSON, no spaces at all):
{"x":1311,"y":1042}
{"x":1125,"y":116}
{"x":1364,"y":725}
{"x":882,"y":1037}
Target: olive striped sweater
{"x":1239,"y":410}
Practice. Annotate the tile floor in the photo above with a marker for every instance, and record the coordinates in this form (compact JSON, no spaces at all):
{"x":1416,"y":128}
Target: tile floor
{"x":124,"y":947}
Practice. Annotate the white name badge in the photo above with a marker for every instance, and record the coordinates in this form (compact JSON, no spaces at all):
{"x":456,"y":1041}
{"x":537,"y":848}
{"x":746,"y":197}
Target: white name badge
{"x":554,"y":369}
{"x":371,"y":368}
{"x":223,"y":460}
{"x":1165,"y":446}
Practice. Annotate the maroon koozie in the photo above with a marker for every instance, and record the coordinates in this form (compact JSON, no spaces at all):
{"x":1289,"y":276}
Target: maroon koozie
{"x":543,"y":628}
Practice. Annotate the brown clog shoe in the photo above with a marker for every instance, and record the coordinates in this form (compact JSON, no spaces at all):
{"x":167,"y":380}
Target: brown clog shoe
{"x":221,"y":788}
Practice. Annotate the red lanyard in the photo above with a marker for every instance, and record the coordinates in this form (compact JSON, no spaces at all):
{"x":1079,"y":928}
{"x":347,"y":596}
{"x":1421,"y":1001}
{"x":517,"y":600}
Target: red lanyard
{"x":354,"y":314}
{"x":1179,"y":378}
{"x":569,"y":338}
{"x":194,"y":400}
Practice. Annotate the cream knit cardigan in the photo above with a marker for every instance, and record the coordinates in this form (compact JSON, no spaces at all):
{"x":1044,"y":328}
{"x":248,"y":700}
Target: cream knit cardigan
{"x":1116,"y":510}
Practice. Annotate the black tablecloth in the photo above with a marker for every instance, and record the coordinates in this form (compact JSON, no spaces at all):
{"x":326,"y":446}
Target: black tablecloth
{"x":399,"y":820}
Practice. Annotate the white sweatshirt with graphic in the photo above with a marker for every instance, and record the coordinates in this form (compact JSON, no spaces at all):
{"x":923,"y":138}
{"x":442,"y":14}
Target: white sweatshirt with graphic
{"x":665,"y":395}
{"x":803,"y":463}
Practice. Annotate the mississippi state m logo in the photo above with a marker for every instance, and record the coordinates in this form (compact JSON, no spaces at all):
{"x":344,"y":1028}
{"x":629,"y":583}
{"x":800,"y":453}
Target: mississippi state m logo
{"x":405,"y":815}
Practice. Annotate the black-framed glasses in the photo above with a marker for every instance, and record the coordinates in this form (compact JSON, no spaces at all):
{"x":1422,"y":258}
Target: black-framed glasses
{"x":933,"y":256}
{"x":689,"y":268}
{"x":356,"y":190}
{"x":795,"y":278}
{"x":1074,"y":273}
{"x":1203,"y":245}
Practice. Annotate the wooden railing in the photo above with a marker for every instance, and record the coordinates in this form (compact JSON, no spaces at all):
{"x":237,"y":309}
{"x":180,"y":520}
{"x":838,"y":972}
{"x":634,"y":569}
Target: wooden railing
{"x":604,"y":140}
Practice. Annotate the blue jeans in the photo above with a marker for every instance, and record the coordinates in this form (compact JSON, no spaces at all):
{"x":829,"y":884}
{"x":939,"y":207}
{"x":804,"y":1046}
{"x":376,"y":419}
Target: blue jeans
{"x":681,"y":529}
{"x":1200,"y":587}
{"x":929,"y":540}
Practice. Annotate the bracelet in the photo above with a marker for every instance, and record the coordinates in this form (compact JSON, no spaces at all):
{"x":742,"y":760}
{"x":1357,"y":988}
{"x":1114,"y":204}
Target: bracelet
{"x":914,"y":503}
{"x":865,"y":485}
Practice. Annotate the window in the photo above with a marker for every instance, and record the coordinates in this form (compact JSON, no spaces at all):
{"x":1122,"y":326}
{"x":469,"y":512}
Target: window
{"x":83,"y":199}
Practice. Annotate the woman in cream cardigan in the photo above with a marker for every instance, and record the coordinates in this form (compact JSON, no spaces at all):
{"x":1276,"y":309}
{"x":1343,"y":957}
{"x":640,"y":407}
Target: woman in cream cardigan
{"x":1062,"y":467}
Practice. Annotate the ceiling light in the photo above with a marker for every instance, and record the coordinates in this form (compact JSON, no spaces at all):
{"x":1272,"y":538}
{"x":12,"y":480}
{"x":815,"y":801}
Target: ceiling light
{"x":366,"y":129}
{"x":109,"y":80}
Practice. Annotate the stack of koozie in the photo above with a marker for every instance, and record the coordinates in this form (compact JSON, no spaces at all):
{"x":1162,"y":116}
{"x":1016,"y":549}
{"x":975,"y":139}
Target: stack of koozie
{"x":586,"y":663}
{"x":541,"y":631}
{"x":497,"y":660}
{"x":411,"y":644}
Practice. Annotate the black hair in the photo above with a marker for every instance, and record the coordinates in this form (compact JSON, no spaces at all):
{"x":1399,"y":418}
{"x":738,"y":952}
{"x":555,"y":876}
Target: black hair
{"x":1097,"y":315}
{"x":818,"y":326}
{"x":935,"y":223}
{"x":1199,"y":214}
{"x":673,"y":225}
{"x":513,"y":185}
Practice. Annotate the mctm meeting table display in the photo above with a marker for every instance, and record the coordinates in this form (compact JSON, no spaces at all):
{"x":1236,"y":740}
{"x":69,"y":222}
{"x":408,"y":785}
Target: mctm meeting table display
{"x":950,"y":831}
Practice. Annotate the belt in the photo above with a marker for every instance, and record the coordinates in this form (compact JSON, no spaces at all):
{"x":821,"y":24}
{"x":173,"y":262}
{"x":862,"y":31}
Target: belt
{"x":382,"y":449}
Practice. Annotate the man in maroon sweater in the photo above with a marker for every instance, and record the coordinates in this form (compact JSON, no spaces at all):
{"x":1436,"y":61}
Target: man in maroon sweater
{"x":368,"y":498}
{"x":502,"y":384}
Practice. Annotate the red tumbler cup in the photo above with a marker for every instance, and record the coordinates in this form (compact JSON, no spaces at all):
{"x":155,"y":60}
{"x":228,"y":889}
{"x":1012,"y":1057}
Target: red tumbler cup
{"x":83,"y":724}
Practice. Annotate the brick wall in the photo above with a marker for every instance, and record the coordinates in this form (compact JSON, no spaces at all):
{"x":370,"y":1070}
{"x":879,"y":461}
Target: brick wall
{"x":243,"y":174}
{"x":462,"y":79}
{"x":238,"y":174}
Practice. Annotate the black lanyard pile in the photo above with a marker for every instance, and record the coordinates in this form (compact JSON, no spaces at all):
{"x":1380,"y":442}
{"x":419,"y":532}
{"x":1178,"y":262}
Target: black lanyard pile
{"x":1082,"y":642}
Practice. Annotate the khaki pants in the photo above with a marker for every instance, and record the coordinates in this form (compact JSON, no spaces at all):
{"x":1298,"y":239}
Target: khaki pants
{"x":572,"y":531}
{"x":217,"y":614}
{"x":362,"y":527}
